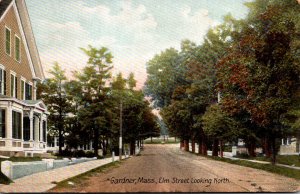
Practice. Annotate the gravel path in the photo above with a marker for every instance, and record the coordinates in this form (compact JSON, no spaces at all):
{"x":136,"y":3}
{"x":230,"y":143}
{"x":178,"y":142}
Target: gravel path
{"x":165,"y":168}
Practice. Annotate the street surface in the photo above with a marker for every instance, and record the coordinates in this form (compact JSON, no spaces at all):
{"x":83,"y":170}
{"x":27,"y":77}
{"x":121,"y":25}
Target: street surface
{"x":165,"y":168}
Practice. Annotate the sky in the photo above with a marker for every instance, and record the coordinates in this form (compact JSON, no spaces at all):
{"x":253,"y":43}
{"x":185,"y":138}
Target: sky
{"x":133,"y":30}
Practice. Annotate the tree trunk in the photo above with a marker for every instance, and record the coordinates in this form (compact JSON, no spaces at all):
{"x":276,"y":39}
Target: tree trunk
{"x":204,"y":146}
{"x":60,"y":141}
{"x":132,"y":147}
{"x":186,"y":145}
{"x":96,"y":141}
{"x":221,"y":149}
{"x":60,"y":135}
{"x":274,"y":152}
{"x":181,"y":144}
{"x":103,"y":147}
{"x":251,"y":148}
{"x":200,"y":146}
{"x":266,"y":147}
{"x":193,"y":146}
{"x":215,"y":147}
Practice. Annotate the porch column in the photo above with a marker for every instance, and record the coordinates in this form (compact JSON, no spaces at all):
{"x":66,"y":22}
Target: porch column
{"x":36,"y":131}
{"x":282,"y":141}
{"x":31,"y":124}
{"x":9,"y":121}
{"x":41,"y":129}
{"x":22,"y":126}
{"x":46,"y":127}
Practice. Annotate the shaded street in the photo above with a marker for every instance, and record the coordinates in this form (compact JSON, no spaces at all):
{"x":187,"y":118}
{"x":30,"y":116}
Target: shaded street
{"x":165,"y":168}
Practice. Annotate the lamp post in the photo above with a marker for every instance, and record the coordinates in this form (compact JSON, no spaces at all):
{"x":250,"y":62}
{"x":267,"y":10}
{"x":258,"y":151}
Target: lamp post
{"x":121,"y":122}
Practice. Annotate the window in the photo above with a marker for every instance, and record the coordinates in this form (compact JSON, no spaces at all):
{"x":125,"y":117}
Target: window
{"x":13,"y":85}
{"x":28,"y":91}
{"x":22,"y":89}
{"x":16,"y":125}
{"x":17,"y":49}
{"x":2,"y":81}
{"x":7,"y":41}
{"x":26,"y":128}
{"x":2,"y":123}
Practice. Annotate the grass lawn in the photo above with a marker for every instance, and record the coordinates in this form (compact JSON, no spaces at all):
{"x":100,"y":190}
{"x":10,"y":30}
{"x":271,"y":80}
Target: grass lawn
{"x":292,"y":160}
{"x":6,"y":180}
{"x":80,"y":178}
{"x":288,"y":172}
{"x":161,"y":141}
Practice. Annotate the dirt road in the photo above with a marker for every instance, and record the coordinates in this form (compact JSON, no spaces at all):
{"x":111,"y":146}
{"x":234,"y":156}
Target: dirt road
{"x":165,"y":168}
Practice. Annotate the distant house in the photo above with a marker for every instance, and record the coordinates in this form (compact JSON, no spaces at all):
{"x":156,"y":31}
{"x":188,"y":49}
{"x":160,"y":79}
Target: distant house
{"x":290,"y":146}
{"x":23,"y":118}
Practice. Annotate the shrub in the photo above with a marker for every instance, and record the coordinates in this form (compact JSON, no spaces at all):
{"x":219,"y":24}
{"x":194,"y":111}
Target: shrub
{"x":89,"y":154}
{"x":79,"y":153}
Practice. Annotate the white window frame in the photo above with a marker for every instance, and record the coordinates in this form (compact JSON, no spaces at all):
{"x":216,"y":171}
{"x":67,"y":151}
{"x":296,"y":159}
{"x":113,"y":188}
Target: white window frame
{"x":14,"y":88}
{"x":17,"y":37}
{"x":2,"y":68}
{"x":31,"y":84}
{"x":7,"y":28}
{"x":21,"y":122}
{"x":24,"y":88}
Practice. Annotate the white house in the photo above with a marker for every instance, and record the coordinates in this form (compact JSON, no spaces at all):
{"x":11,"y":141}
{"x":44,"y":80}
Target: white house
{"x":23,"y":118}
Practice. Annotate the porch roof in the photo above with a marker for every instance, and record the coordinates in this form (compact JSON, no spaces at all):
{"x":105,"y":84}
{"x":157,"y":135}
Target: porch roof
{"x":38,"y":104}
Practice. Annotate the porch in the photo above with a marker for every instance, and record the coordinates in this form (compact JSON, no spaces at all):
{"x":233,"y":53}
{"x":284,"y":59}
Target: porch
{"x":23,"y":128}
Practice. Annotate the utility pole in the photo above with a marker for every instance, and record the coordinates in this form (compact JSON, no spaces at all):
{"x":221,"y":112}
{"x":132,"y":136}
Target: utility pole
{"x":121,"y":121}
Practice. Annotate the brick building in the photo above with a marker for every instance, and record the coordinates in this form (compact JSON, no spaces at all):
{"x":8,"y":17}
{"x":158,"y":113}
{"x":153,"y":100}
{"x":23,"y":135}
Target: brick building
{"x":23,"y":118}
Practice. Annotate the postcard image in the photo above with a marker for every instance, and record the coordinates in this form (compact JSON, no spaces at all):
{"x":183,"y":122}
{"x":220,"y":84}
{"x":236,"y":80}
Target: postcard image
{"x":100,"y":96}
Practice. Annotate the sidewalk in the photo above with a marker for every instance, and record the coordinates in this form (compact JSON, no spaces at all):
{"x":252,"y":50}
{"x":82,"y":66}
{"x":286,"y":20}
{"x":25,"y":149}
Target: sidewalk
{"x":257,"y":161}
{"x":43,"y":181}
{"x":265,"y":162}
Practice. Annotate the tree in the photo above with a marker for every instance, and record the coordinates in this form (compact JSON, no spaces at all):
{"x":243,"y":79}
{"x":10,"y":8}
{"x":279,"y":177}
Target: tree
{"x":164,"y":74}
{"x":95,"y":92}
{"x":259,"y":76}
{"x":52,"y":92}
{"x":137,"y":121}
{"x":219,"y":126}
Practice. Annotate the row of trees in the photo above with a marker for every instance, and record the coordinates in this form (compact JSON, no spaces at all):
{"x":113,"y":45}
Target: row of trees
{"x":94,"y":106}
{"x":241,"y":82}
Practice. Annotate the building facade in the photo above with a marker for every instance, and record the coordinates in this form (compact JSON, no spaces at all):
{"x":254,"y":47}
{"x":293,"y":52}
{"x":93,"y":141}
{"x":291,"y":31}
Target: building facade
{"x":23,"y":118}
{"x":290,"y":146}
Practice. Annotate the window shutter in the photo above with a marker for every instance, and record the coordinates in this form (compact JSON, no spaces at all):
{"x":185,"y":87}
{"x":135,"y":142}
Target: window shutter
{"x":16,"y":87}
{"x":5,"y":92}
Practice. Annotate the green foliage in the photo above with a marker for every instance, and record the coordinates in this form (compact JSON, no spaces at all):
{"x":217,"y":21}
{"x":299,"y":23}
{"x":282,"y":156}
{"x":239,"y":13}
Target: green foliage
{"x":95,"y":117}
{"x":88,"y":107}
{"x":165,"y":72}
{"x":260,"y":74}
{"x":252,"y":62}
{"x":53,"y":92}
{"x":217,"y":124}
